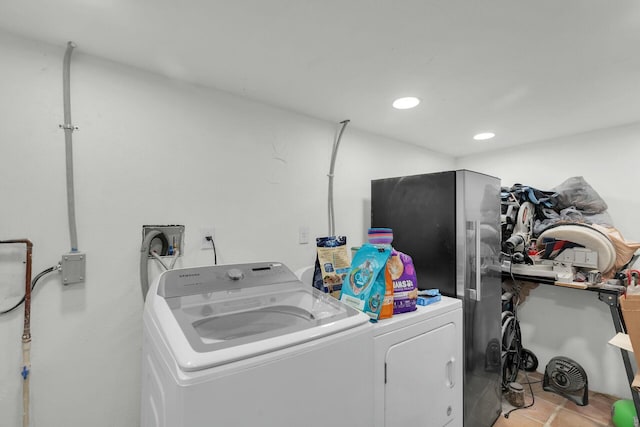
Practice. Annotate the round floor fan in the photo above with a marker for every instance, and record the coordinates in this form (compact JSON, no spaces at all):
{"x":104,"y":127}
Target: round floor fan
{"x":567,"y":378}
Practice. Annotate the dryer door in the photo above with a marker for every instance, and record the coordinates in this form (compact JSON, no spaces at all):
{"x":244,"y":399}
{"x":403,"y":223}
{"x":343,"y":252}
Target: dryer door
{"x":423,"y":377}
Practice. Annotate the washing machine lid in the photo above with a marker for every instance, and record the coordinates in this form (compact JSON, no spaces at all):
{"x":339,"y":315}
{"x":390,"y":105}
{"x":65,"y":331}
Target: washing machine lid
{"x":231,"y":312}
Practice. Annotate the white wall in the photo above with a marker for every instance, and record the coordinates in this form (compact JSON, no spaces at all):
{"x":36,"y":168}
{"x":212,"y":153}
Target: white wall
{"x":566,"y":322}
{"x":150,"y":151}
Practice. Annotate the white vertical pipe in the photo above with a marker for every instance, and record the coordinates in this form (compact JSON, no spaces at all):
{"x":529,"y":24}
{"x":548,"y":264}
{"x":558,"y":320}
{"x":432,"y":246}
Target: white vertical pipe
{"x":68,"y":130}
{"x":334,"y":153}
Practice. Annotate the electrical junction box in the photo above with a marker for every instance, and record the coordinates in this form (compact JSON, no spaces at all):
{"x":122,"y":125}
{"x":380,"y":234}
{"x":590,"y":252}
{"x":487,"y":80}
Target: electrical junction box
{"x":170,"y":239}
{"x":73,"y":267}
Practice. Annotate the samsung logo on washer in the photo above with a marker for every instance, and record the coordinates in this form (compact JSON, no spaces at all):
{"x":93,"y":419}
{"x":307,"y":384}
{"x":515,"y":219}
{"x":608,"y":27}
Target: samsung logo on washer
{"x":189,"y":279}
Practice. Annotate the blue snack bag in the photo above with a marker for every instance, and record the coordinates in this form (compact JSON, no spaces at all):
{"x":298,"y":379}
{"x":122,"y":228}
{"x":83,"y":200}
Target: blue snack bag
{"x":365,"y":285}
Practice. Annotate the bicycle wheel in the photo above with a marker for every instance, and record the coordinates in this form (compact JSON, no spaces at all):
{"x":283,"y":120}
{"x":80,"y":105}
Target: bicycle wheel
{"x":509,"y":326}
{"x":510,"y":363}
{"x":510,"y":349}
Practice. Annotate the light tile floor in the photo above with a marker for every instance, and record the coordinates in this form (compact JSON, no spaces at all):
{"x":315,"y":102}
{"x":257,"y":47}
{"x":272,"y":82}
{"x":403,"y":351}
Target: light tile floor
{"x":553,"y":410}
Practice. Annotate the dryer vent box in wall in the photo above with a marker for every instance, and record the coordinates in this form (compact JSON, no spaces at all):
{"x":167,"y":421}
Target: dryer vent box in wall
{"x":166,"y":243}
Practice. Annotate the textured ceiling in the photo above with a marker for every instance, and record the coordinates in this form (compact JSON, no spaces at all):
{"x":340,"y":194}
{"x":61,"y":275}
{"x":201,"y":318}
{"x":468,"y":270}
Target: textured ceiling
{"x":526,"y":70}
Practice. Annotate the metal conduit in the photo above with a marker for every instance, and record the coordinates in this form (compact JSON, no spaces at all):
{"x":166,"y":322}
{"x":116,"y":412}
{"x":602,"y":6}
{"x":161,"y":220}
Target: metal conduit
{"x":68,"y":130}
{"x":334,"y":154}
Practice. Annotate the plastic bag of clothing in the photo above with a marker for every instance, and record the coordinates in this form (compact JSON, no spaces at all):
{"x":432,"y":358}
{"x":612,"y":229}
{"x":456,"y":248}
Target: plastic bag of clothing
{"x":576,"y":192}
{"x":570,"y":215}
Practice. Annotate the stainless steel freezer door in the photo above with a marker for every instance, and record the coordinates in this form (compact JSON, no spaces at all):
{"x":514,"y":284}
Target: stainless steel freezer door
{"x":478,"y":285}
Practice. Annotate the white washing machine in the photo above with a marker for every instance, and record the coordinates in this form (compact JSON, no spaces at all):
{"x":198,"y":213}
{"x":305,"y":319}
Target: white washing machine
{"x":250,"y":345}
{"x":418,"y":367}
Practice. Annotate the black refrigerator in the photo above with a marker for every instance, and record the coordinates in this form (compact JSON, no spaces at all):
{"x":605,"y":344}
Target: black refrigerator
{"x":449,"y":223}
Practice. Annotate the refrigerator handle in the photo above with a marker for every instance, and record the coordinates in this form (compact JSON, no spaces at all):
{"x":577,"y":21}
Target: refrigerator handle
{"x":476,"y":294}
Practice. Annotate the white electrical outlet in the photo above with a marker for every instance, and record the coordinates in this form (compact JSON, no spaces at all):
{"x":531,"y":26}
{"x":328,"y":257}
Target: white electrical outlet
{"x":204,"y":232}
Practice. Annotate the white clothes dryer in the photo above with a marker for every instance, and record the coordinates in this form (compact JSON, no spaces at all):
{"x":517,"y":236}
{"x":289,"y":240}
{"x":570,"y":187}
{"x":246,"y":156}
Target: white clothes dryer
{"x":418,"y":367}
{"x":250,"y":345}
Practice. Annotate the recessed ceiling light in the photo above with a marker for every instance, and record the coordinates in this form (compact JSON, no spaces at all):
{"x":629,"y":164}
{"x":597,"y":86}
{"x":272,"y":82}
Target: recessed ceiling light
{"x":483,"y":136}
{"x":406,"y":103}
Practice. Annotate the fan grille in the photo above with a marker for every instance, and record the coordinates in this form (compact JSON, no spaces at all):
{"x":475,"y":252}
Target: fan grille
{"x":566,"y":374}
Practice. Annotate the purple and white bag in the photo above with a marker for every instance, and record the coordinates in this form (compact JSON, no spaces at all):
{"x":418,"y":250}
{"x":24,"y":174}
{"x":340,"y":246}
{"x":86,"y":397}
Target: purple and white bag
{"x":405,"y":284}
